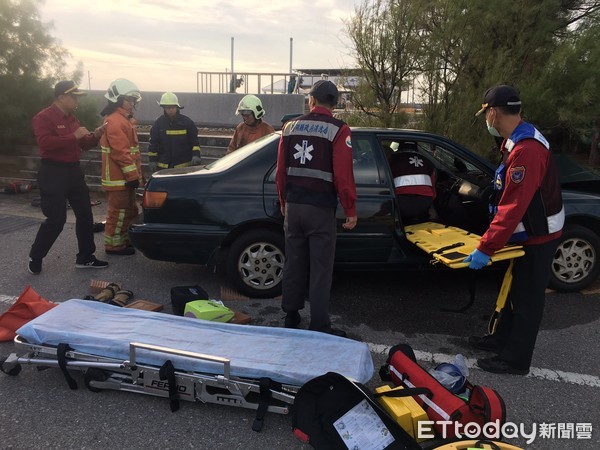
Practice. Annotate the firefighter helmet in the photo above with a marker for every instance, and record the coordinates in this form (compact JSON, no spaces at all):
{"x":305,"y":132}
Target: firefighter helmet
{"x":251,"y":103}
{"x":121,"y":88}
{"x":169,"y":99}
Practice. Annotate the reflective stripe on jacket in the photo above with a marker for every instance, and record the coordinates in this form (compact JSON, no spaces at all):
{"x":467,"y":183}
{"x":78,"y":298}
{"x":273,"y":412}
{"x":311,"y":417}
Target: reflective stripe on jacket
{"x":121,"y":159}
{"x":173,"y":143}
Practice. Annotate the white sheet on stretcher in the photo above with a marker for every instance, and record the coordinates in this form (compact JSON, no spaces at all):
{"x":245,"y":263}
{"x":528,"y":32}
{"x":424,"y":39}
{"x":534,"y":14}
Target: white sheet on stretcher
{"x":284,"y":355}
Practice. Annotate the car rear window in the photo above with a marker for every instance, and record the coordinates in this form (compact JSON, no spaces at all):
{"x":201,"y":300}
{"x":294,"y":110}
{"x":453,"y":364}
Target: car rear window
{"x":242,"y":153}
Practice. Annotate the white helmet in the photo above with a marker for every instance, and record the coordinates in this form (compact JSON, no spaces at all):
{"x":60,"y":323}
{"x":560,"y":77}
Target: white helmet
{"x":251,"y":103}
{"x":169,"y":99}
{"x":122,"y":87}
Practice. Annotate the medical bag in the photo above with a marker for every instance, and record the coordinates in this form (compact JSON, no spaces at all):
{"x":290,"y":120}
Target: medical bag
{"x":332,"y":412}
{"x":448,"y":412}
{"x":180,"y":295}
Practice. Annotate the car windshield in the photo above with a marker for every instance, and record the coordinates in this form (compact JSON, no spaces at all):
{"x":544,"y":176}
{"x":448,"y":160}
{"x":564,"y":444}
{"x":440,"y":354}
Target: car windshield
{"x":570,"y":170}
{"x":242,"y":153}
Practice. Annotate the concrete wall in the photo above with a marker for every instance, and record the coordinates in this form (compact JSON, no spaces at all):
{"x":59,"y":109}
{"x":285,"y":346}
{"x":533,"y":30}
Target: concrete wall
{"x":214,"y":110}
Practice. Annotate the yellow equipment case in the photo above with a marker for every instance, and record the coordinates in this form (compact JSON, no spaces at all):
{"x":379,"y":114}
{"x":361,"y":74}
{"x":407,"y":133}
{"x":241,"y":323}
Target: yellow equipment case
{"x":404,"y":410}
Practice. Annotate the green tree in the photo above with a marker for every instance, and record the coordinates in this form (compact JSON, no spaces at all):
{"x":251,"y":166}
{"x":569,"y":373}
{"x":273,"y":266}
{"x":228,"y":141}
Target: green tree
{"x":386,"y":44}
{"x":31,"y":61}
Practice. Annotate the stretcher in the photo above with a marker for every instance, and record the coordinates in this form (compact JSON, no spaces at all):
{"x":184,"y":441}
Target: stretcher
{"x":449,"y":246}
{"x":182,"y":358}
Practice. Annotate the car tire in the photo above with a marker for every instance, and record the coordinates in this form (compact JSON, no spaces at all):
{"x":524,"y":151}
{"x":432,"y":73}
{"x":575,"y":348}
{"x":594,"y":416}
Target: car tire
{"x":255,"y":263}
{"x":576,"y":262}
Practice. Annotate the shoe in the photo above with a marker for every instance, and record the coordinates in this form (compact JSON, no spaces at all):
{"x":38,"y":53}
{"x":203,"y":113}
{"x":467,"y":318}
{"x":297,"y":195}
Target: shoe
{"x":98,"y":227}
{"x":292,"y":319}
{"x":487,"y":343}
{"x":498,"y":365}
{"x":125,"y":251}
{"x":34,"y":266}
{"x":92,"y":264}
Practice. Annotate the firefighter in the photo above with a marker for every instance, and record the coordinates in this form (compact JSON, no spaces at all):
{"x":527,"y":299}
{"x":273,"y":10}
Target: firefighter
{"x":173,"y":137}
{"x":314,"y":169}
{"x":414,"y":182}
{"x":121,"y":164}
{"x":252,"y":126}
{"x":527,"y":209}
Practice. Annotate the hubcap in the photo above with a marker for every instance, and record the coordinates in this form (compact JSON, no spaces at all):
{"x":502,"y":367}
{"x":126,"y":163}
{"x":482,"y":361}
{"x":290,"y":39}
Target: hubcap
{"x":574,"y":260}
{"x":261,"y":265}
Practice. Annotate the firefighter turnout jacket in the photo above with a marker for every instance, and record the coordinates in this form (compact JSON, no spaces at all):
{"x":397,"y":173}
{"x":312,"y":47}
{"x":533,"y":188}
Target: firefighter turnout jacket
{"x":244,"y":134}
{"x":173,"y":143}
{"x":316,"y":152}
{"x":121,"y":159}
{"x":528,"y":204}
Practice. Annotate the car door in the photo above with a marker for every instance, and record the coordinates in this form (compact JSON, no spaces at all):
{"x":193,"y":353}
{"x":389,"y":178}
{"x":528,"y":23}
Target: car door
{"x":373,"y":237}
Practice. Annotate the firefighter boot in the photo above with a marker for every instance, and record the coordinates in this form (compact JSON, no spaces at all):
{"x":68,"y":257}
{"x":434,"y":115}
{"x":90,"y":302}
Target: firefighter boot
{"x":121,"y":298}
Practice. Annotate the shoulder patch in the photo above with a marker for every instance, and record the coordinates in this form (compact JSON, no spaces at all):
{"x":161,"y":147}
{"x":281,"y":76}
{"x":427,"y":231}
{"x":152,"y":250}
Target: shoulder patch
{"x":349,"y":142}
{"x":517,"y":174}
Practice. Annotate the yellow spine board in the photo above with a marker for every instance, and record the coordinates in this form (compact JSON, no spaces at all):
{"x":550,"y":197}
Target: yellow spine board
{"x":404,"y":410}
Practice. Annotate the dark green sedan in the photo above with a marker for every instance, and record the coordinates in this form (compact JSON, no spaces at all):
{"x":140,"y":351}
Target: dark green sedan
{"x":227,"y":213}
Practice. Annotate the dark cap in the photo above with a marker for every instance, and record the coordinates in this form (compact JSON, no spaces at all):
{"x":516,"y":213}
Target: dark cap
{"x":67,"y":87}
{"x":502,"y":95}
{"x":324,"y":91}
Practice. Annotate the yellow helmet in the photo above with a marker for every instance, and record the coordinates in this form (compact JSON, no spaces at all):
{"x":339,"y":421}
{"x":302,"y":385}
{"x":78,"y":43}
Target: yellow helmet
{"x":169,"y":99}
{"x":251,"y":103}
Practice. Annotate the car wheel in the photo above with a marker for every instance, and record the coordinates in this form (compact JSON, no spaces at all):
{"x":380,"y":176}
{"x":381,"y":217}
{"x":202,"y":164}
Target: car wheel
{"x":255,"y":263}
{"x":575,"y":263}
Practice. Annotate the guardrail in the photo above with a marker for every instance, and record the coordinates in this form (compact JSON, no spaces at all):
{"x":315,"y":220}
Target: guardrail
{"x":24,"y":167}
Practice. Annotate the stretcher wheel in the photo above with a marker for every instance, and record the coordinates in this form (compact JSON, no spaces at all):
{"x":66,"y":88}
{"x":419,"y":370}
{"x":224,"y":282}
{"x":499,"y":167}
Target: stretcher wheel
{"x":13,"y":371}
{"x":94,"y":375}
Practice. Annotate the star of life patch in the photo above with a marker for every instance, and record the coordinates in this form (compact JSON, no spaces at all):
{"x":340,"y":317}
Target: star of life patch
{"x":517,"y":174}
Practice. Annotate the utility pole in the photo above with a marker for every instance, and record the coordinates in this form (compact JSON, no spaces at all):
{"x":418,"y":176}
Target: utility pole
{"x":89,"y":81}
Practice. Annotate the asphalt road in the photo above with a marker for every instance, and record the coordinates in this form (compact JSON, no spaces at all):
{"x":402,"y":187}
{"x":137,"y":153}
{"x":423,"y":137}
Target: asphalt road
{"x":558,"y":400}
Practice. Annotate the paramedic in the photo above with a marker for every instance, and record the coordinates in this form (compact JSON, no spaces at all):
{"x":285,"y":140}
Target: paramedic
{"x":173,"y":137}
{"x":61,"y":138}
{"x":252,"y":126}
{"x":314,"y":168}
{"x":414,"y":182}
{"x":121,"y":164}
{"x":527,"y":210}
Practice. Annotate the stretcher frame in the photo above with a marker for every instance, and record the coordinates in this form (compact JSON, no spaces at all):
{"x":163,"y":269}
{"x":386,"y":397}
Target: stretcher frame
{"x":101,"y":372}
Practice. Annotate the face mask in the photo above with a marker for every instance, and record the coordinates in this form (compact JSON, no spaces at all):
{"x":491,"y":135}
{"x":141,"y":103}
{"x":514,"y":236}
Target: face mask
{"x":492,"y":130}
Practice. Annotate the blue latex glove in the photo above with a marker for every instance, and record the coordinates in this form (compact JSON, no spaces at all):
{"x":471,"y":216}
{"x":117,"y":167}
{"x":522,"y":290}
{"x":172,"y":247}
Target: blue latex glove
{"x":477,"y":259}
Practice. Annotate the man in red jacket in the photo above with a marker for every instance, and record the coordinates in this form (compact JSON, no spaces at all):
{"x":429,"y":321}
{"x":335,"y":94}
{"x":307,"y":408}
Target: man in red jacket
{"x":528,"y":210}
{"x":61,"y":138}
{"x":314,"y":169}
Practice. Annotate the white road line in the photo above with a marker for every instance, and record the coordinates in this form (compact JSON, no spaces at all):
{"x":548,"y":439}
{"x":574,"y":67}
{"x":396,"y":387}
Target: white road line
{"x":7,"y":299}
{"x":535,"y":372}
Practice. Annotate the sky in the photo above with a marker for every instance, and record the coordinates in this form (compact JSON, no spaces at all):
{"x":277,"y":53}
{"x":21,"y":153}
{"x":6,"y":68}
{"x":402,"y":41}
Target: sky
{"x":161,"y":44}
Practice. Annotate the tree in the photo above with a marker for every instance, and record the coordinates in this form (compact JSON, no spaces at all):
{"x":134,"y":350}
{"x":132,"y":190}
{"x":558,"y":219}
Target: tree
{"x":31,"y":61}
{"x":386,"y":47}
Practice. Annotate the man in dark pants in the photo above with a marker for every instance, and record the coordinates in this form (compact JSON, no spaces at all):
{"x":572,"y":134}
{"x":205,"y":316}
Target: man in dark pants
{"x":528,"y":210}
{"x":61,"y":138}
{"x":314,"y":168}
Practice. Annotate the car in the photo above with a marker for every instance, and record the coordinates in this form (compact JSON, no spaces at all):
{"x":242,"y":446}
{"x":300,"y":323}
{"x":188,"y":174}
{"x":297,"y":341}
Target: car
{"x":227,"y":213}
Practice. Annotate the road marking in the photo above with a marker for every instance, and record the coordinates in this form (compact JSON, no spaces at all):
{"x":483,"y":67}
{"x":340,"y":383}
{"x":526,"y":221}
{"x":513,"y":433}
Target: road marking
{"x":7,"y":299}
{"x":535,"y":372}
